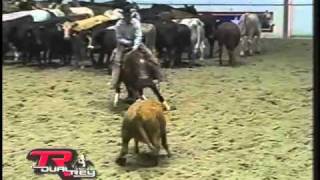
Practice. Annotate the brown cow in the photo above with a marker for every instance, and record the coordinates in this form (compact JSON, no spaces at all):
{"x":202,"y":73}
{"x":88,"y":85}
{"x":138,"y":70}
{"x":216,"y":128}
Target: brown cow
{"x":145,"y":122}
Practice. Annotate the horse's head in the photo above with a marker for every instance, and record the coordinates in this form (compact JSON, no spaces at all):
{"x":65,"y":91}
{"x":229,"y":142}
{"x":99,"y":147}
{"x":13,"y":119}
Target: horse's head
{"x":137,"y":66}
{"x":132,"y":57}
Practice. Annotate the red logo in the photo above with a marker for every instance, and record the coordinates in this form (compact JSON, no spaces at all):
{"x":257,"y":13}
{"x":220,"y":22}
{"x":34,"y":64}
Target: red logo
{"x":61,"y":161}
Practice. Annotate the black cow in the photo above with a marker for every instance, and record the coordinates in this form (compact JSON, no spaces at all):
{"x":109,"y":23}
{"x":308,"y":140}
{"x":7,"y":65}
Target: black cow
{"x":11,"y":28}
{"x":110,"y":4}
{"x":149,"y":14}
{"x":103,"y":42}
{"x":209,"y":21}
{"x":182,"y":43}
{"x":210,"y":27}
{"x":53,"y":43}
{"x":81,"y":40}
{"x":13,"y":34}
{"x":190,"y":9}
{"x":228,"y":35}
{"x":166,"y":8}
{"x":98,"y":8}
{"x":25,"y":41}
{"x":163,"y":10}
{"x":154,"y":12}
{"x":34,"y":43}
{"x":47,"y":37}
{"x":172,"y":39}
{"x":167,"y":32}
{"x":58,"y":46}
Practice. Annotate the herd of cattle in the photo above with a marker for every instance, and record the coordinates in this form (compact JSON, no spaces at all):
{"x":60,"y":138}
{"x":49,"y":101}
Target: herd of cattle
{"x":81,"y":32}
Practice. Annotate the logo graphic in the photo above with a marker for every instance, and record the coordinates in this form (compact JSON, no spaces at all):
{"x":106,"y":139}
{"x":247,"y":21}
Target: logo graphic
{"x":64,"y":162}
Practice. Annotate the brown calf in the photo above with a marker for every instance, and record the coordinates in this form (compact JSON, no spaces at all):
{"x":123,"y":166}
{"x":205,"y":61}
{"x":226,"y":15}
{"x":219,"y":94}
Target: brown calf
{"x":145,"y":122}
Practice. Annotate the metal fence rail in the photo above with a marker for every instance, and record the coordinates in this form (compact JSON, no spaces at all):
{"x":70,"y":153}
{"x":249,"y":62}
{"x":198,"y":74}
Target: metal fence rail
{"x":225,"y":4}
{"x":286,"y":13}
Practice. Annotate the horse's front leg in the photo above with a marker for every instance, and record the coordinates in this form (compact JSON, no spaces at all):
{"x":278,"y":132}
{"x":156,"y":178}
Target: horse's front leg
{"x":116,"y":96}
{"x":160,"y":97}
{"x":135,"y":92}
{"x":143,"y":97}
{"x":131,"y":94}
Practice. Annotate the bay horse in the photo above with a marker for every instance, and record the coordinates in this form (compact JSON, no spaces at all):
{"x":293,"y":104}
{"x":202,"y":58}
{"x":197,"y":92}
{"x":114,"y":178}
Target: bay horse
{"x":137,"y":73}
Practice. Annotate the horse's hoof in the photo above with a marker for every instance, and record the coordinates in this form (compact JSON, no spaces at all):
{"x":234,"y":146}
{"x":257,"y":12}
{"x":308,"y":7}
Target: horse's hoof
{"x":155,"y":162}
{"x":144,"y":97}
{"x":121,"y":161}
{"x":129,"y":100}
{"x":166,"y":106}
{"x":116,"y":99}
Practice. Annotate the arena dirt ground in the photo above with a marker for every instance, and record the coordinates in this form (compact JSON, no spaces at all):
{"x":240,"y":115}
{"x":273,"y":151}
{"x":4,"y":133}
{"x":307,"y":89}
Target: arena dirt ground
{"x":250,"y":122}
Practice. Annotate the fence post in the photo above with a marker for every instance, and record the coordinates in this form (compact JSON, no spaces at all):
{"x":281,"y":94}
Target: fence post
{"x":286,"y":19}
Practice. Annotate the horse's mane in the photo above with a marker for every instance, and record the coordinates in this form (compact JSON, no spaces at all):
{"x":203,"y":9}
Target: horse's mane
{"x":136,"y":64}
{"x":133,"y":57}
{"x":131,"y":62}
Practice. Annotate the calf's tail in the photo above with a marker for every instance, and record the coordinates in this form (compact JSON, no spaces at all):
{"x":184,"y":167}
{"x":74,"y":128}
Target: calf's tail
{"x":145,"y":136}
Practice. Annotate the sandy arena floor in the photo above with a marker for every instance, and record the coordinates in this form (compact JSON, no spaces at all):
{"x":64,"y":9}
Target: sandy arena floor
{"x":251,"y":122}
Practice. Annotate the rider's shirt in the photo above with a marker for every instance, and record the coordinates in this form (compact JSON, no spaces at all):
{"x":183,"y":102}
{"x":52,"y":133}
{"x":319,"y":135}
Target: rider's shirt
{"x":136,"y":15}
{"x":129,"y":31}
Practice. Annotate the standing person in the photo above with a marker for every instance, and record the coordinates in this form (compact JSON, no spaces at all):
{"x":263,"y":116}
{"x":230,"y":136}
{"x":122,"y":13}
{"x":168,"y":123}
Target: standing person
{"x":129,"y":34}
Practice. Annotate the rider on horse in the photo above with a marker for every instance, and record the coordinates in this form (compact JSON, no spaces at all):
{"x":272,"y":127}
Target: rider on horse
{"x":129,"y":35}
